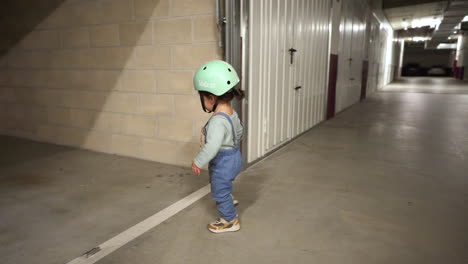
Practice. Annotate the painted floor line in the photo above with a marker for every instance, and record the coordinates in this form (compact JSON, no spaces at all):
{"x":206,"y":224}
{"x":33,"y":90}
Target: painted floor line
{"x":99,"y":252}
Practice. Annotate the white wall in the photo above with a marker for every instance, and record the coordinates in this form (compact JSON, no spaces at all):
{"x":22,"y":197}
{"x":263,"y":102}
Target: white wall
{"x":276,"y":111}
{"x":365,"y":35}
{"x":316,"y":28}
{"x":387,"y":54}
{"x":384,"y":54}
{"x":335,"y":26}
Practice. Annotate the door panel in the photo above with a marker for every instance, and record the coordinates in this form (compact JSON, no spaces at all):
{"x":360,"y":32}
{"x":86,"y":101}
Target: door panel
{"x":277,"y":111}
{"x":344,"y":57}
{"x":351,"y":52}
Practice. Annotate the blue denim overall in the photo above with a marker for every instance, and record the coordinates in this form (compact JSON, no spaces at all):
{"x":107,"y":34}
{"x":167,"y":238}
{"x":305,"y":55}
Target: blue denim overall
{"x":223,"y":169}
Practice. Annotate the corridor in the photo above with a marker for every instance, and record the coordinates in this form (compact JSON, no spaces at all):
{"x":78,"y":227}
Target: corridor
{"x":383,"y":182}
{"x":440,"y":85}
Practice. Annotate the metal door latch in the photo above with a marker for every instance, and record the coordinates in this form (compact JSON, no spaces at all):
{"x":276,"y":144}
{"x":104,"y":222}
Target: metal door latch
{"x":291,"y":52}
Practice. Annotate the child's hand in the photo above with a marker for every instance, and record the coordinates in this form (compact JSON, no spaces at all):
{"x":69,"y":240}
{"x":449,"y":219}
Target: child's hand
{"x":195,"y":169}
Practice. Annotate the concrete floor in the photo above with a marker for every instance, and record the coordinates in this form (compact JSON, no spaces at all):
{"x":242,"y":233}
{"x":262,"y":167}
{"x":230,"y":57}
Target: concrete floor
{"x":440,"y":85}
{"x":383,"y":182}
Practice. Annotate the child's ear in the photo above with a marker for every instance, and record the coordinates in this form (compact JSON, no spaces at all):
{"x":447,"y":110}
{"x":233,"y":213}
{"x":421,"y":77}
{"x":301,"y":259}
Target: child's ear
{"x":212,"y":97}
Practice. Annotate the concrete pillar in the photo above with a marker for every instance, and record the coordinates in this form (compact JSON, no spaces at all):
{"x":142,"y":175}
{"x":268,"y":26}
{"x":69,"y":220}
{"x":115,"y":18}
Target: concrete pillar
{"x":400,"y":59}
{"x":462,"y":57}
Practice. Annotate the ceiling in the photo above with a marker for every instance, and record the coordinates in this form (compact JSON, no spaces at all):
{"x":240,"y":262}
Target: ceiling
{"x":401,"y":15}
{"x":438,"y":20}
{"x":453,"y":15}
{"x":398,"y":3}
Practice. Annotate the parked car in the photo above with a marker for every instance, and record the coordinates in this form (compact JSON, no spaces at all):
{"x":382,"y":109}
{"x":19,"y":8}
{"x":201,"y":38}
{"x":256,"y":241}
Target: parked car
{"x":412,"y":69}
{"x":437,"y":70}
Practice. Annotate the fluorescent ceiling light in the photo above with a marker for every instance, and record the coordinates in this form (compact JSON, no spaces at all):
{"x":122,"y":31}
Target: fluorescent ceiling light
{"x":447,"y":46}
{"x":416,"y":39}
{"x":426,"y":22}
{"x":432,"y":22}
{"x":405,"y":24}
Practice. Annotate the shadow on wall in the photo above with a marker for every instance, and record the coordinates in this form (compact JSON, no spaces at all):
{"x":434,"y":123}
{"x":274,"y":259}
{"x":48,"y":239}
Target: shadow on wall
{"x":20,"y":17}
{"x":112,"y":76}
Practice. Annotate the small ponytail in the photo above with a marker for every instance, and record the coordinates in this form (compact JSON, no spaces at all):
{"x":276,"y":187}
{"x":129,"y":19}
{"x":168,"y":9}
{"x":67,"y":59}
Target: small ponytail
{"x":227,"y":97}
{"x":239,"y":94}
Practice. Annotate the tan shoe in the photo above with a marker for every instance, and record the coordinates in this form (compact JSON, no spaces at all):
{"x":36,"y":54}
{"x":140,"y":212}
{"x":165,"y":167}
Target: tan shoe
{"x":221,"y":225}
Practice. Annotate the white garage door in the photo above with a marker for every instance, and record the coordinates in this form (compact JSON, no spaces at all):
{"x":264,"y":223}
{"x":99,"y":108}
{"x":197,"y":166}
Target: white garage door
{"x":288,"y":62}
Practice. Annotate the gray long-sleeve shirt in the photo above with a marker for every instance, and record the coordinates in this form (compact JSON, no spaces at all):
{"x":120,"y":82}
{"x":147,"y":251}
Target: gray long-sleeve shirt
{"x":219,"y":136}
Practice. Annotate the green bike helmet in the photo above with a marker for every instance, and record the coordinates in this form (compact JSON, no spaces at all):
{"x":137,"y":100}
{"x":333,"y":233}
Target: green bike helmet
{"x":215,"y":77}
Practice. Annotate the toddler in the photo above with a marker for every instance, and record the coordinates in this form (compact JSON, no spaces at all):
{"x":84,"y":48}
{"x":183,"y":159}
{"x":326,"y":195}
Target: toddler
{"x":215,"y":82}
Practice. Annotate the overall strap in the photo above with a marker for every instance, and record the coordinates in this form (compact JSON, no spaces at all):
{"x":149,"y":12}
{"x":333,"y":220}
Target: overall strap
{"x":234,"y":138}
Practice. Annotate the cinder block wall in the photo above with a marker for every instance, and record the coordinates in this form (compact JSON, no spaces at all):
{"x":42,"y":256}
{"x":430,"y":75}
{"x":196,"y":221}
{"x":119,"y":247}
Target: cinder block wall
{"x":113,"y":76}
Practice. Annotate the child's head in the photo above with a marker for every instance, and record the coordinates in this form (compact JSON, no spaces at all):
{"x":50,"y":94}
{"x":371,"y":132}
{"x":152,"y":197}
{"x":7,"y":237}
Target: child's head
{"x":210,"y":101}
{"x":215,"y":81}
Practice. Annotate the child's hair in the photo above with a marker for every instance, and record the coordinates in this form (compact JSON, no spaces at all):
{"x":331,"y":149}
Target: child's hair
{"x":227,"y":97}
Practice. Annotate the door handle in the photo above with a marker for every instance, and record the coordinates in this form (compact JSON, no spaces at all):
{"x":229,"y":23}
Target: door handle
{"x":291,"y":52}
{"x":297,"y":88}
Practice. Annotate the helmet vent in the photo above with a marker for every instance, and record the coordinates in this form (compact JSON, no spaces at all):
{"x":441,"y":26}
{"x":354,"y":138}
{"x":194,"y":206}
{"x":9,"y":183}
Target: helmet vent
{"x":204,"y":68}
{"x":229,"y":69}
{"x":228,"y":82}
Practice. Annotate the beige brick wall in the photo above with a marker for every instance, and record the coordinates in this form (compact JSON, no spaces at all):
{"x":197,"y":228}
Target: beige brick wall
{"x":113,"y":76}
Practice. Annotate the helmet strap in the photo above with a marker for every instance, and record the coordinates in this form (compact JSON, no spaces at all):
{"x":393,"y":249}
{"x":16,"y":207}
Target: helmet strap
{"x":204,"y":107}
